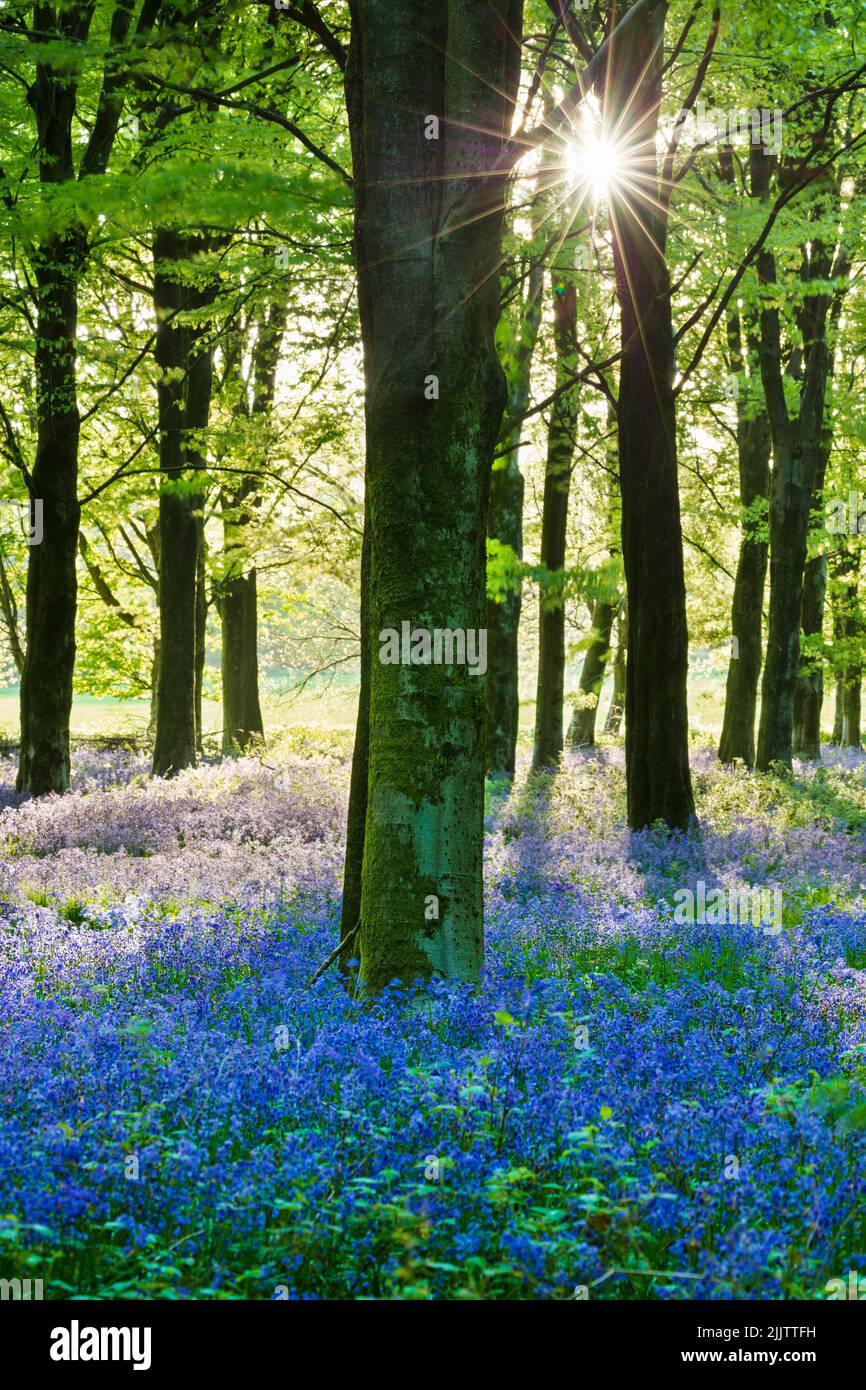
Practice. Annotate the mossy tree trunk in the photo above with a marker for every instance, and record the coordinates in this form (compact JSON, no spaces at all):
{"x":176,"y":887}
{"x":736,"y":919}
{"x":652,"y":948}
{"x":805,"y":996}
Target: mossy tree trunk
{"x":430,"y":90}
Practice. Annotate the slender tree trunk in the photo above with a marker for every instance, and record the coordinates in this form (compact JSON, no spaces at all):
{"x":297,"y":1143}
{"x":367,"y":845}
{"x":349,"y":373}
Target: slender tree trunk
{"x":154,"y":686}
{"x":849,"y":630}
{"x":747,"y":607}
{"x":838,"y":709}
{"x":350,"y":916}
{"x":581,"y":730}
{"x":561,"y":442}
{"x":201,"y":606}
{"x":657,"y":763}
{"x":243,"y":725}
{"x":179,"y":531}
{"x":809,"y":690}
{"x":428,"y":298}
{"x":617,"y":700}
{"x":851,"y":707}
{"x":799,"y":442}
{"x":505,"y":525}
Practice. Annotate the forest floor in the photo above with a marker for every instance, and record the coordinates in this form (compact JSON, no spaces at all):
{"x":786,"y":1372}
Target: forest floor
{"x":631,"y":1105}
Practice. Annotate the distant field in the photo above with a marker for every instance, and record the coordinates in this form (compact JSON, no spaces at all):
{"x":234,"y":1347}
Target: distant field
{"x":335,"y":709}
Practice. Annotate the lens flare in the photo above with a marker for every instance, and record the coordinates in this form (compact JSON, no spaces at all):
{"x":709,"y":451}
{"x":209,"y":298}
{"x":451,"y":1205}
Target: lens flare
{"x":595,"y":166}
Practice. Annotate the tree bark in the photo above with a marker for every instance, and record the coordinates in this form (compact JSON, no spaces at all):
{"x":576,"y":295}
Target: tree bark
{"x":428,"y":298}
{"x":657,"y":764}
{"x":561,"y":443}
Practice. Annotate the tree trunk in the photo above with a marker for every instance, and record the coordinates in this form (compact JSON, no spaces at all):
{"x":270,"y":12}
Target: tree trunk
{"x":838,"y":709}
{"x":52,"y":584}
{"x":505,"y":525}
{"x":657,"y":757}
{"x":57,"y":263}
{"x":799,"y":442}
{"x":154,"y":686}
{"x":243,"y":726}
{"x":851,"y":705}
{"x":849,"y":628}
{"x":428,"y":299}
{"x":581,"y":730}
{"x":350,"y":915}
{"x":809,"y":690}
{"x":179,"y":532}
{"x":617,"y":700}
{"x":747,"y":607}
{"x":561,"y":443}
{"x":201,"y":607}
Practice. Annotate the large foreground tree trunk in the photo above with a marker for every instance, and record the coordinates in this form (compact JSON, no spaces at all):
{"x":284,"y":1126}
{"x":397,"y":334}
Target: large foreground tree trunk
{"x":561,"y":443}
{"x":428,"y":297}
{"x":656,"y":737}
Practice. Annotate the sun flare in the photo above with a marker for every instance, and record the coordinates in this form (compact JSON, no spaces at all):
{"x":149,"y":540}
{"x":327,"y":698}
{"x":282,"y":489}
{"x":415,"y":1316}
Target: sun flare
{"x":595,"y":166}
